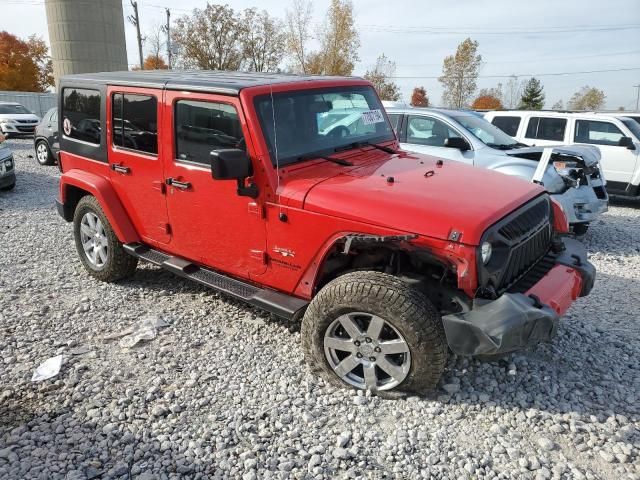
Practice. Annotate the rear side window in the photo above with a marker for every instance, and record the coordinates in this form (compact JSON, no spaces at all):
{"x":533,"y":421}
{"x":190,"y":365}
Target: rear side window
{"x":81,"y":114}
{"x":135,"y":122}
{"x":597,"y":133}
{"x":508,"y":125}
{"x":205,"y":126}
{"x":546,"y":128}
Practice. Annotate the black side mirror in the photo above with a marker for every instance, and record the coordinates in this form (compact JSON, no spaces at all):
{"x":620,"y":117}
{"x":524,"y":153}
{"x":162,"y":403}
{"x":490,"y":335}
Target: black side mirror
{"x":233,"y":164}
{"x":457,"y":142}
{"x":626,"y":142}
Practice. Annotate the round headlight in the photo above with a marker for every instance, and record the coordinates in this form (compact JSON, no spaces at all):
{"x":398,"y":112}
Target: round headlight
{"x":486,"y":251}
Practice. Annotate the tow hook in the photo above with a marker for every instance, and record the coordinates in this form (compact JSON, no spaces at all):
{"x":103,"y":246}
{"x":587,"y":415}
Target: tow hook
{"x":536,"y":301}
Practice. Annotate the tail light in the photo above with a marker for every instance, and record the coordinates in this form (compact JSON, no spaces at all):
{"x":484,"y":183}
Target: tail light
{"x":560,"y":222}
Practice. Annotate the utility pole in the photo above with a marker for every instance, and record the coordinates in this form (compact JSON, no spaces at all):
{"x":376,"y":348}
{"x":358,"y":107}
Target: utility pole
{"x":637,"y":97}
{"x":168,"y":28}
{"x":135,"y":20}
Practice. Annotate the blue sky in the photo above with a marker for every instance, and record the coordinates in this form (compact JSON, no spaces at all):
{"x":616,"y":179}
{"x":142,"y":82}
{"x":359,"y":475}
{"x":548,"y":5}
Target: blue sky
{"x":515,"y":36}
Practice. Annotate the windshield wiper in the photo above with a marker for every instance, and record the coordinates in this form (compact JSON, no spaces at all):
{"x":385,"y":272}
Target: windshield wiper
{"x":312,"y":156}
{"x":365,"y":144}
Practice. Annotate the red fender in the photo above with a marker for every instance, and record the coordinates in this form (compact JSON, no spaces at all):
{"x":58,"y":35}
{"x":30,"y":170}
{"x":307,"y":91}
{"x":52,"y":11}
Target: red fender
{"x":102,"y":189}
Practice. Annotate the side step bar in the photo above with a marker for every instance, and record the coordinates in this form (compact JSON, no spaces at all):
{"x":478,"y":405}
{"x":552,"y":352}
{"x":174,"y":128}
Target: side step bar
{"x":279,"y":304}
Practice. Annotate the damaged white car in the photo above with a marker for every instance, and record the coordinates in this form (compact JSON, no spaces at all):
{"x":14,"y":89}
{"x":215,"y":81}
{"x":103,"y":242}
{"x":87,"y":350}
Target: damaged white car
{"x":571,"y":174}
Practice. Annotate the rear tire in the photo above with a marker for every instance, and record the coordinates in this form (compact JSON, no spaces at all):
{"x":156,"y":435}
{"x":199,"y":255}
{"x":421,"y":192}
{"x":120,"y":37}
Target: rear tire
{"x":348,"y":356}
{"x":43,"y":154}
{"x":99,"y":249}
{"x":9,"y":187}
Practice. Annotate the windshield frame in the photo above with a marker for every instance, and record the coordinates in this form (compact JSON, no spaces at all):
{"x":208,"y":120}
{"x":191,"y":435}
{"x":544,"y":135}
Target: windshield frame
{"x":490,"y":130}
{"x":317,"y":154}
{"x":633,"y":126}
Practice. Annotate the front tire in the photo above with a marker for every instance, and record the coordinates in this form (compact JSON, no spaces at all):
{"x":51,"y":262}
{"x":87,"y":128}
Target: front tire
{"x":9,"y":187}
{"x":372,"y":331}
{"x":43,"y":154}
{"x":99,"y":249}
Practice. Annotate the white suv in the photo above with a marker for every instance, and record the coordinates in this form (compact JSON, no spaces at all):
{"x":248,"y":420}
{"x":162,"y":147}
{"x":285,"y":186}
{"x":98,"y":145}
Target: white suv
{"x":617,"y":137}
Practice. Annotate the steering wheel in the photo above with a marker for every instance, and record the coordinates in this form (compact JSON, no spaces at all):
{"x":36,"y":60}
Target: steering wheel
{"x":339,"y":132}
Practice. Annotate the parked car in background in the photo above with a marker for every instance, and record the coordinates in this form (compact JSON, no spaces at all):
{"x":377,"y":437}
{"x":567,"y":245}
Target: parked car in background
{"x":570,"y":174}
{"x":617,"y":137}
{"x":16,"y":120}
{"x":7,"y":166}
{"x":45,"y":138}
{"x":387,"y":266}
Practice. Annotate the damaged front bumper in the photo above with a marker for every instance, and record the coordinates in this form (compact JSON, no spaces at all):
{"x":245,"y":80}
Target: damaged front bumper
{"x":583,"y":204}
{"x":514,"y":320}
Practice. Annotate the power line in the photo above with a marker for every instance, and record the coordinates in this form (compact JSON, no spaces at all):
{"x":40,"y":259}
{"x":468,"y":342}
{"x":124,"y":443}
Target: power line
{"x":471,"y":31}
{"x":527,"y":74}
{"x":544,"y":59}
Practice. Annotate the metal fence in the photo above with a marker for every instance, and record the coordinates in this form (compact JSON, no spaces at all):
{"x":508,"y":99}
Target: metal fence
{"x":38,"y":103}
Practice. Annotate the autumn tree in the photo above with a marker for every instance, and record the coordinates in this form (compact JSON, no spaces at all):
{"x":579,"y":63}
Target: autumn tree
{"x":487,"y":102}
{"x":532,"y":95}
{"x":587,"y":98}
{"x":263,"y":41}
{"x":154,"y":42}
{"x":339,"y":40}
{"x":460,"y":73}
{"x":419,"y":97}
{"x":381,"y":76}
{"x":298,"y":25}
{"x":210,"y":38}
{"x":155,"y":62}
{"x":558,"y":105}
{"x":24,"y":65}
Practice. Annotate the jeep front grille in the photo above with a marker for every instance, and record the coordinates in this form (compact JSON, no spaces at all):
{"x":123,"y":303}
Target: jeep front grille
{"x":520,"y":241}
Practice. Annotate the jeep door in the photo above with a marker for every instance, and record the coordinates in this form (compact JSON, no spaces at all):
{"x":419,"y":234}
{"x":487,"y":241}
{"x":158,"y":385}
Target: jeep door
{"x":427,"y":134}
{"x":134,"y":159}
{"x":618,"y":162}
{"x":211,"y":224}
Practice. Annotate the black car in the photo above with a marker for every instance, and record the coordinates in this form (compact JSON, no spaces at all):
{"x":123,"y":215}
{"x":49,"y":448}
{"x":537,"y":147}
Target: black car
{"x":45,"y":139}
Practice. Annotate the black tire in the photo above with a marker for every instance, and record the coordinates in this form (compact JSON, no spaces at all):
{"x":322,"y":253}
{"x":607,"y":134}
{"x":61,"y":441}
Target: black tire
{"x":9,"y":187}
{"x":404,"y":307}
{"x":50,"y":160}
{"x":118,"y":264}
{"x":580,"y":229}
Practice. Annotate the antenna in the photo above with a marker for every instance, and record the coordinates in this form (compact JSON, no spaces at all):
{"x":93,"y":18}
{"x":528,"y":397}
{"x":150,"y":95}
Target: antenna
{"x":275,"y":145}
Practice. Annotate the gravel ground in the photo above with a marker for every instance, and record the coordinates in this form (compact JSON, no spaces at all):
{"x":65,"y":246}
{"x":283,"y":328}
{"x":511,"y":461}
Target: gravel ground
{"x":223,"y":392}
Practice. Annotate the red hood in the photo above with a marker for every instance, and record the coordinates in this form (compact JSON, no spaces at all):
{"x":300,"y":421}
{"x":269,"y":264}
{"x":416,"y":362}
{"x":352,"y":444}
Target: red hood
{"x":456,"y":197}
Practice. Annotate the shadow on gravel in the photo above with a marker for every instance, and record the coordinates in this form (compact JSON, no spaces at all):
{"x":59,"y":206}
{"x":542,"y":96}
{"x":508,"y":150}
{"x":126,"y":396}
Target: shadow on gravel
{"x":157,"y":279}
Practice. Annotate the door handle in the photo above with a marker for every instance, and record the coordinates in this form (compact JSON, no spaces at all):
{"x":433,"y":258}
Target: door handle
{"x":172,"y":182}
{"x":120,"y":168}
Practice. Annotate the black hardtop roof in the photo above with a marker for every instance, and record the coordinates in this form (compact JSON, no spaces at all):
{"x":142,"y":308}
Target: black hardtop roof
{"x":229,"y":83}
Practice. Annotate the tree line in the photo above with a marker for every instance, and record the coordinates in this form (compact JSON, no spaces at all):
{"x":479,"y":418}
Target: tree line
{"x":217,"y":37}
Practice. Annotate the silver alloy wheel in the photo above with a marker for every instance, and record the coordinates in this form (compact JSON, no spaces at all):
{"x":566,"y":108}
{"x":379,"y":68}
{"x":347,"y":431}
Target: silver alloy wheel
{"x":367,"y":351}
{"x":94,"y":239}
{"x":42,"y":153}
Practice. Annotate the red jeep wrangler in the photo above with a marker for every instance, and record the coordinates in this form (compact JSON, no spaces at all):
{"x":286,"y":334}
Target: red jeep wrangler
{"x":290,"y":193}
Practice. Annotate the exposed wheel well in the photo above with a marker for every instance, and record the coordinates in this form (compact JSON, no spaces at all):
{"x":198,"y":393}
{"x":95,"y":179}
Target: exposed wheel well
{"x":73,"y":195}
{"x":417,"y":267}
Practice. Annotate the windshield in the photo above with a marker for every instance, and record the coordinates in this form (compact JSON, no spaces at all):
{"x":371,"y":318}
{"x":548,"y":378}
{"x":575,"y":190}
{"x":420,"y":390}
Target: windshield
{"x":319,"y":121}
{"x":9,"y":109}
{"x":487,"y":133}
{"x":632,"y":125}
